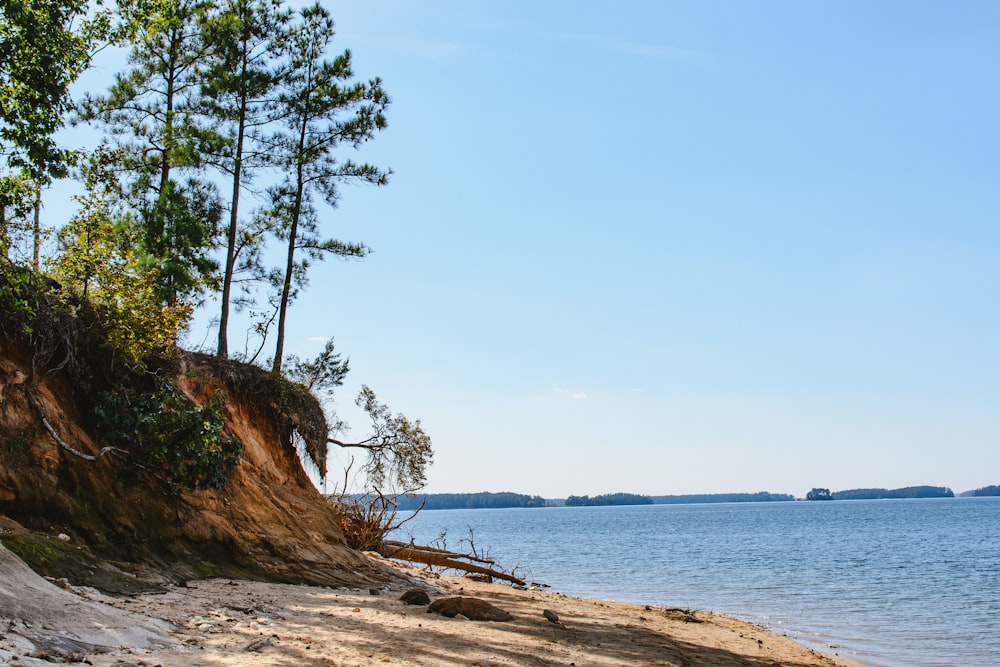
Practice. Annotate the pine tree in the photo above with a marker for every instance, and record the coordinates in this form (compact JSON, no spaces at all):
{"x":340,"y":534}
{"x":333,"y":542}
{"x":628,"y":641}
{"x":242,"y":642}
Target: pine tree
{"x":150,"y":111}
{"x":321,"y":111}
{"x":237,"y":100}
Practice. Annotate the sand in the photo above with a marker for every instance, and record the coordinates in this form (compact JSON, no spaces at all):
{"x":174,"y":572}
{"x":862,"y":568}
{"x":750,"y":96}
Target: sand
{"x":217,"y":622}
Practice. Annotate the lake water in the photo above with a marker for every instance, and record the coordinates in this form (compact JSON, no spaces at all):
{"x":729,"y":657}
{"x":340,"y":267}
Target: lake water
{"x":890,"y":583}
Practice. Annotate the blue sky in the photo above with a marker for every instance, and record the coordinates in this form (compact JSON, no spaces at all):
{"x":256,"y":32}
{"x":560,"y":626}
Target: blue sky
{"x":677,"y":247}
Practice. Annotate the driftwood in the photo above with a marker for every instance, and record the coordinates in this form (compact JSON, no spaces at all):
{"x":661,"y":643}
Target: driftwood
{"x":474,"y":558}
{"x":442,"y":558}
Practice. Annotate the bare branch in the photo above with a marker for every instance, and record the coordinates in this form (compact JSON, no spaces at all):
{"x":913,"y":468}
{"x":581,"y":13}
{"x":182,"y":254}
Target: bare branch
{"x":364,"y":444}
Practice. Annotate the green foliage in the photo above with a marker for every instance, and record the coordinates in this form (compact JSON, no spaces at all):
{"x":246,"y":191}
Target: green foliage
{"x":57,"y":328}
{"x":398,"y":451}
{"x":179,"y":230}
{"x":398,"y":456}
{"x":484,"y":500}
{"x":149,"y":107}
{"x":237,"y":102}
{"x":320,"y":111}
{"x":243,"y":86}
{"x":819,"y":494}
{"x":295,"y":410}
{"x":991,"y":490}
{"x":320,"y":375}
{"x":44,"y":46}
{"x":40,"y":56}
{"x":18,"y":314}
{"x":17,"y":198}
{"x":608,"y":499}
{"x":100,"y":260}
{"x":688,"y":499}
{"x":150,"y":111}
{"x":169,"y":436}
{"x":905,"y":492}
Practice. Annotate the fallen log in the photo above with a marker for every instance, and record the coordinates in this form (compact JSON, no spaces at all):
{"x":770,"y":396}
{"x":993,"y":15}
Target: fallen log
{"x":444,"y":552}
{"x":441,"y":558}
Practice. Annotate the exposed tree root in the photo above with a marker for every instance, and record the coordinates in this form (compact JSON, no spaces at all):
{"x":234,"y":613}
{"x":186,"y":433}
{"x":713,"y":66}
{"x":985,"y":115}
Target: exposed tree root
{"x":59,"y":441}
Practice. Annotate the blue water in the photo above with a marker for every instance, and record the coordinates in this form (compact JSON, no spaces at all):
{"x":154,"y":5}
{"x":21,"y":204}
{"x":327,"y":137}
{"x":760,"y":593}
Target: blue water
{"x":890,"y":583}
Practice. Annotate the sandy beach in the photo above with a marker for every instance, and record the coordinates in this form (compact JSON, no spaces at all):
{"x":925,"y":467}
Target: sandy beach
{"x":217,"y":622}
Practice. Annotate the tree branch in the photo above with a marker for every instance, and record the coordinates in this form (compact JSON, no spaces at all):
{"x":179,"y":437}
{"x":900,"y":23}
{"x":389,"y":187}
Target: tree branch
{"x":364,"y":444}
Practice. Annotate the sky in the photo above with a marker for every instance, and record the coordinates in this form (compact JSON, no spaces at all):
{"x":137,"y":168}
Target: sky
{"x":675,"y":247}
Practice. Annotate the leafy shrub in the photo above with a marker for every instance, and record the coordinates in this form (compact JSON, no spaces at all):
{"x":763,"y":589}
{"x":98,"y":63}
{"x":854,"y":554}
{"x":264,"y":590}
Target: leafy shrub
{"x":167,"y":435}
{"x":17,"y":311}
{"x":101,"y":262}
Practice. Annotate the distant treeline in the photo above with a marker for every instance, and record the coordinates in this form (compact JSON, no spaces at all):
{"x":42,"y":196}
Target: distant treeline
{"x":608,"y":499}
{"x":486,"y":500}
{"x":454,"y":501}
{"x":992,"y":490}
{"x":905,"y":492}
{"x":759,"y":497}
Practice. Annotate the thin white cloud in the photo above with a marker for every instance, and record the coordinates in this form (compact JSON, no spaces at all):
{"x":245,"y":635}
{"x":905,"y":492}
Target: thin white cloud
{"x":576,"y":395}
{"x":422,"y":48}
{"x":677,"y":54}
{"x":316,"y":339}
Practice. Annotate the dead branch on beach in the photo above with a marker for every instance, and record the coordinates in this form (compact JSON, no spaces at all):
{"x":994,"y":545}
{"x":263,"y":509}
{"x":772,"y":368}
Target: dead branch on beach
{"x":447,"y":559}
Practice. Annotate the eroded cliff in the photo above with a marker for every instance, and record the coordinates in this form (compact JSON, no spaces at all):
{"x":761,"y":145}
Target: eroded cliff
{"x":268,"y":521}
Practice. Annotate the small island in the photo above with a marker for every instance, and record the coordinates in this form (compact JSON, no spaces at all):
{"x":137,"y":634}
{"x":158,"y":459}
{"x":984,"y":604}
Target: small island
{"x":983,"y":492}
{"x":881,"y":494}
{"x":608,"y":499}
{"x":467,"y":501}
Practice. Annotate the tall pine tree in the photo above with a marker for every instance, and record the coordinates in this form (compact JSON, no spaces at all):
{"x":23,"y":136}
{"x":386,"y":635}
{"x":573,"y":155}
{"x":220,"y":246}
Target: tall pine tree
{"x":238,"y":101}
{"x":150,"y":112}
{"x":321,"y":111}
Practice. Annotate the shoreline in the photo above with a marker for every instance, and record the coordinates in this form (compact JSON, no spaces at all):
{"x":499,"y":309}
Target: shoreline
{"x":250,"y":624}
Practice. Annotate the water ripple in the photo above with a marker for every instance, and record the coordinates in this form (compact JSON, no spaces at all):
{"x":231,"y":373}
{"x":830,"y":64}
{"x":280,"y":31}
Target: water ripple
{"x":912,"y":583}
